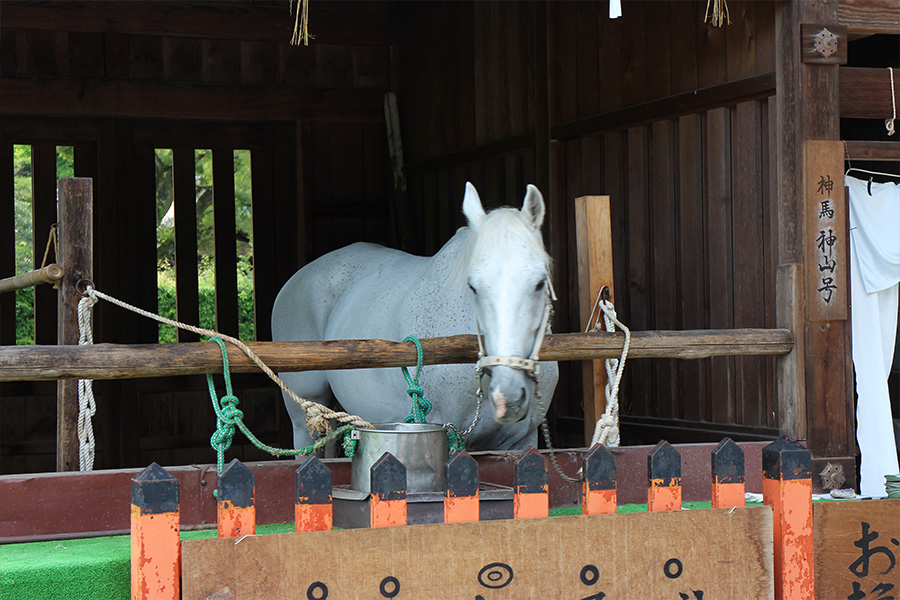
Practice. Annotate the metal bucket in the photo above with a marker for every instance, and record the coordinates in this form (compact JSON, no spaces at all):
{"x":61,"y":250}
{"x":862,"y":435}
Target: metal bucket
{"x":421,"y":447}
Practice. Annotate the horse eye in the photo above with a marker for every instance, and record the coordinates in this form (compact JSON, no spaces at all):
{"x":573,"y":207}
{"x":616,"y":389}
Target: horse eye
{"x":540,"y":285}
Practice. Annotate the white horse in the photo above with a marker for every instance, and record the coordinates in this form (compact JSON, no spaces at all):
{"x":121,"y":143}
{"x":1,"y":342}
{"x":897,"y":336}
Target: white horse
{"x":492,"y":276}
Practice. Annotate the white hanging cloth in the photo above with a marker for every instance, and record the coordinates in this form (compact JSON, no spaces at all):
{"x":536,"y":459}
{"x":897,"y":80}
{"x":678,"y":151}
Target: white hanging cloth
{"x":615,"y":9}
{"x":874,"y":292}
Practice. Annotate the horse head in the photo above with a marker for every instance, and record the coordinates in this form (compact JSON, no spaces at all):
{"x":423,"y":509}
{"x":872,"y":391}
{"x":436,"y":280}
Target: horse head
{"x":508,"y":275}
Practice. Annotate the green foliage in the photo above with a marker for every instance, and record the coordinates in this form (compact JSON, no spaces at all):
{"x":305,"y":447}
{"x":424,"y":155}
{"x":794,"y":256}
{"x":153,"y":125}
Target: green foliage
{"x":207,"y":294}
{"x":203,"y":179}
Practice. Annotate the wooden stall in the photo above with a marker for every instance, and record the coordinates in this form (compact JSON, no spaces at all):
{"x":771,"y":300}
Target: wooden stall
{"x":696,"y":133}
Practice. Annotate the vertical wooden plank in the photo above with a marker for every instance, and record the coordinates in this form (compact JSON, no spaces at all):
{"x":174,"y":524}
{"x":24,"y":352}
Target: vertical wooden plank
{"x":663,"y":257}
{"x":587,"y":60}
{"x":719,"y":258}
{"x":225,"y":242}
{"x":787,"y":488}
{"x":235,"y":501}
{"x":265,"y":282}
{"x":7,"y":242}
{"x":563,"y":46}
{"x":598,"y":490}
{"x":76,"y":242}
{"x":595,"y":271}
{"x":638,"y":262}
{"x":461,"y":498}
{"x":188,"y":303}
{"x":749,"y":256}
{"x":143,"y":262}
{"x":155,"y":532}
{"x":530,"y":488}
{"x":657,"y":48}
{"x":663,"y":478}
{"x":690,"y":238}
{"x":387,"y":502}
{"x":43,"y":198}
{"x":727,"y":463}
{"x":313,"y":509}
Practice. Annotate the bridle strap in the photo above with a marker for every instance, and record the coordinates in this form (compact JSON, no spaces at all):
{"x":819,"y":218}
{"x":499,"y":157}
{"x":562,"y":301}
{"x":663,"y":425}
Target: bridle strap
{"x":529,"y":364}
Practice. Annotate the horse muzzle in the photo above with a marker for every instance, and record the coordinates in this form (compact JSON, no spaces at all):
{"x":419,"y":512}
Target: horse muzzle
{"x":508,"y":390}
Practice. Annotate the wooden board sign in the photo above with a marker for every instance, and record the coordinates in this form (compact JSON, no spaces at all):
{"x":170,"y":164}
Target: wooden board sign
{"x":857,"y":549}
{"x":826,"y":237}
{"x":695,"y":554}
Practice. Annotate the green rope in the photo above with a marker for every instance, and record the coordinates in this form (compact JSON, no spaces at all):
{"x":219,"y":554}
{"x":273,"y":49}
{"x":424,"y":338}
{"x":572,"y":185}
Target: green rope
{"x":421,"y":406}
{"x":229,"y":416}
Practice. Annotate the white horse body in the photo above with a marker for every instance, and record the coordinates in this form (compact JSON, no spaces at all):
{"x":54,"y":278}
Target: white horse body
{"x":366,"y":291}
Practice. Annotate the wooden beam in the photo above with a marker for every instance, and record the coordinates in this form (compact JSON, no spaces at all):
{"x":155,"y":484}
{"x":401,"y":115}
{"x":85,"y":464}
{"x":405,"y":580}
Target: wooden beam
{"x":66,"y":97}
{"x":866,"y":93}
{"x":873,"y":151}
{"x":114,"y":361}
{"x":867,"y":17}
{"x":727,"y":94}
{"x":220,"y":20}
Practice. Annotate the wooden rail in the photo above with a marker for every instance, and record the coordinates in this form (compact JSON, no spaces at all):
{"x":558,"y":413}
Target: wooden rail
{"x":115,"y":361}
{"x":49,"y":274}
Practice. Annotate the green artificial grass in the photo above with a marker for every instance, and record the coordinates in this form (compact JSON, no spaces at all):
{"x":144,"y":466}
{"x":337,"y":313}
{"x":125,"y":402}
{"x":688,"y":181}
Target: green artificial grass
{"x":90,"y":568}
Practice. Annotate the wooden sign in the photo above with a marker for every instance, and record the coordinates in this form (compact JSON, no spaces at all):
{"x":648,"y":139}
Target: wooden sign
{"x":857,"y":549}
{"x":693,"y":554}
{"x":826,"y":237}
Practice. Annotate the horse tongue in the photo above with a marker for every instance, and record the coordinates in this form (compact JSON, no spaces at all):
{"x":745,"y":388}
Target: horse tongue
{"x":499,"y":403}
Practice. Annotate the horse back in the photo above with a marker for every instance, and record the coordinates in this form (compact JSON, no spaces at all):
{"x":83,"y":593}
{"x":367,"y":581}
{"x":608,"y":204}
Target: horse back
{"x":305,"y":303}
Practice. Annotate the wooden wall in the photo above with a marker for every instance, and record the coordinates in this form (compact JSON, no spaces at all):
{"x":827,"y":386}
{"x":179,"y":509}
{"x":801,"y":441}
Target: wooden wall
{"x":117,"y":80}
{"x":558,"y":94}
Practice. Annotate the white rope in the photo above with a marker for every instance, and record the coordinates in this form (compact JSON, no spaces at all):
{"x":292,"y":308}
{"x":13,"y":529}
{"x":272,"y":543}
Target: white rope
{"x":317,"y":415}
{"x":606,"y":431}
{"x":87,"y":407}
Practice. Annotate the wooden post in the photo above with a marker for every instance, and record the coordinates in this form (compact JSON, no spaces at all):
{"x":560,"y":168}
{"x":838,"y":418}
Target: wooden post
{"x":531,"y":486}
{"x":814,"y":382}
{"x":461,"y":498}
{"x":595,"y":270}
{"x":664,"y":478}
{"x":598,"y":495}
{"x":313,"y":509}
{"x":787,"y":488}
{"x":387,"y":481}
{"x":235,"y":508}
{"x":76,"y":258}
{"x":155,"y":536}
{"x":727,"y":475}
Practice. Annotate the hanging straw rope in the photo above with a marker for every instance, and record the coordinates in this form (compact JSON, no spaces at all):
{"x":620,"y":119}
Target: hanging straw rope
{"x":719,"y":13}
{"x":301,"y":22}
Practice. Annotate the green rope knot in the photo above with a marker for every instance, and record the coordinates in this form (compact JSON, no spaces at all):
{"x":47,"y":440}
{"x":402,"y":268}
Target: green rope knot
{"x":421,"y":405}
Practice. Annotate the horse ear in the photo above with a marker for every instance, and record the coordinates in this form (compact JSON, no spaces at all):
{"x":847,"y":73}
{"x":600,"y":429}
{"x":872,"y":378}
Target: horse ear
{"x":472,"y":206}
{"x":533,"y":206}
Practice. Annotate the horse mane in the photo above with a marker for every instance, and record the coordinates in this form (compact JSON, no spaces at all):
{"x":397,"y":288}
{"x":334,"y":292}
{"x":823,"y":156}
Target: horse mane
{"x":499,"y":227}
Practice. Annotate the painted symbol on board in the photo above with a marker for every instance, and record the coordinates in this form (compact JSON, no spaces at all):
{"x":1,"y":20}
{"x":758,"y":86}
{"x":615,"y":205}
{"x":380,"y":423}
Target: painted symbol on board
{"x":495,"y":575}
{"x":590,"y":575}
{"x":317,"y":591}
{"x":673,"y":568}
{"x":390,"y":587}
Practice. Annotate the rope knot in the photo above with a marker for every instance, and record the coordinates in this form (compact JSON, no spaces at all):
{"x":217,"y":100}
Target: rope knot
{"x":317,"y":419}
{"x":231,"y":414}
